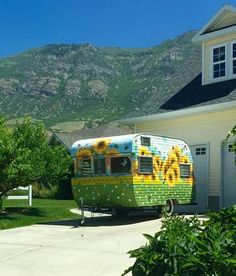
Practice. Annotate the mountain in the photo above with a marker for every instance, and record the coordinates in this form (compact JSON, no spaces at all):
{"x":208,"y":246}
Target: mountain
{"x":94,"y":85}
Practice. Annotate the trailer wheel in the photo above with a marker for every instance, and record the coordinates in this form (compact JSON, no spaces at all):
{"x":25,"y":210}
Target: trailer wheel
{"x":121,"y":212}
{"x":168,"y":209}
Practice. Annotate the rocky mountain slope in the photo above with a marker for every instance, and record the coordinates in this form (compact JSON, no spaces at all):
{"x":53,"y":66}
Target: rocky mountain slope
{"x":59,"y":83}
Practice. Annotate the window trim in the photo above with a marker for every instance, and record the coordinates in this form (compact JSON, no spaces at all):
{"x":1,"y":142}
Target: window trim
{"x":185,"y":164}
{"x":93,"y":162}
{"x":145,"y":144}
{"x":144,"y":156}
{"x":228,"y":62}
{"x":212,"y":63}
{"x":232,"y":58}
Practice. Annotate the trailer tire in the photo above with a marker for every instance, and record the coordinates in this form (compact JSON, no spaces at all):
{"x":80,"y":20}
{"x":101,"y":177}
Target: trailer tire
{"x":168,"y":209}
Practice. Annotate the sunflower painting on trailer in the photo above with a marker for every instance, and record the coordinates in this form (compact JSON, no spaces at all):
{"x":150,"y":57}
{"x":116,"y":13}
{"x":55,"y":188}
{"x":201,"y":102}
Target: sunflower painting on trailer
{"x":132,"y":171}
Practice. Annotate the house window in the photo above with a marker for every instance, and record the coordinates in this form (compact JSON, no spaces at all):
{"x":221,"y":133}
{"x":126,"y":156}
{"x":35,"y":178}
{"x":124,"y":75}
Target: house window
{"x":223,"y":61}
{"x":234,"y":57}
{"x":145,"y":165}
{"x":145,"y":141}
{"x":99,"y":166}
{"x":86,"y":168}
{"x":200,"y":151}
{"x":219,"y":60}
{"x":184,"y":170}
{"x":120,"y":165}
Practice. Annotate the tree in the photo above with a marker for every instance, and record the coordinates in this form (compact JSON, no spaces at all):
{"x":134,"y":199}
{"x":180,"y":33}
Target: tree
{"x":26,"y":157}
{"x":232,"y":133}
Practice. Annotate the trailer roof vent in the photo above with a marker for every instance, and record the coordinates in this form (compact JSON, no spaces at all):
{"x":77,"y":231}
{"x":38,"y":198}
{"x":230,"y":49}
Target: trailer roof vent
{"x":145,"y":141}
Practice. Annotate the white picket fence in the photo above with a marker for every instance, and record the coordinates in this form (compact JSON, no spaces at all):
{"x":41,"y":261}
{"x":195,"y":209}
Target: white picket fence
{"x":28,"y":196}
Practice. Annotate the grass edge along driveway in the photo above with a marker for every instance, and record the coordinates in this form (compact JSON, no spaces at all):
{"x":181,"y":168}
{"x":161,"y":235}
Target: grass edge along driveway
{"x":18,"y":214}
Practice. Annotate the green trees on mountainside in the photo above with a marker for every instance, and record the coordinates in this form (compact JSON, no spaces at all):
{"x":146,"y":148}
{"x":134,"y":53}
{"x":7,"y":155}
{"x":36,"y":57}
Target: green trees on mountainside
{"x":59,"y":83}
{"x":26,"y":157}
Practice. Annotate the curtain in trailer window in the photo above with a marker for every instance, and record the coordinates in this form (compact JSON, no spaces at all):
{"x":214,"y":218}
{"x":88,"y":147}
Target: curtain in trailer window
{"x":120,"y":165}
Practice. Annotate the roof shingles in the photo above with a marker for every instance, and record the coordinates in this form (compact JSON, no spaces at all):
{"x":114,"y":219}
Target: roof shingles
{"x":196,"y":94}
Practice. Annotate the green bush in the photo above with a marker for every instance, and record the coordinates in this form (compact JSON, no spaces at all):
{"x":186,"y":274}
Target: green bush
{"x":59,"y":190}
{"x":187,"y":246}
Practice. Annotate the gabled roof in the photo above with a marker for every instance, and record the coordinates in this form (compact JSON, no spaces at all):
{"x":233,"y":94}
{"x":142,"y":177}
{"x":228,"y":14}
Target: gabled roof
{"x":222,"y":23}
{"x":196,"y":94}
{"x":193,"y":94}
{"x":182,"y":113}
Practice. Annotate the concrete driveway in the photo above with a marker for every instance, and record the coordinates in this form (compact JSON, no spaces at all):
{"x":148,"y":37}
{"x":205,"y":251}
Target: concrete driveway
{"x":66,"y":248}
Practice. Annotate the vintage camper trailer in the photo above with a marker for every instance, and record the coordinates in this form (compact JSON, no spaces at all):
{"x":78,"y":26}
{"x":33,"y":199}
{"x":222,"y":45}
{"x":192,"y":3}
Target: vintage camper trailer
{"x":132,"y":171}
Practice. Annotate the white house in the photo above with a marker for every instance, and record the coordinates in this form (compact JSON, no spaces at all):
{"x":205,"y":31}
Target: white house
{"x":204,"y":111}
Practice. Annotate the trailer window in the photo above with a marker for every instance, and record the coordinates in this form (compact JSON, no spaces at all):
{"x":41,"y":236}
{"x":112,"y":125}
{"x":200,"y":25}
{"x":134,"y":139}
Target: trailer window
{"x":99,"y":166}
{"x":145,"y":165}
{"x":184,"y":170}
{"x":120,"y":165}
{"x":145,"y":141}
{"x":86,"y":168}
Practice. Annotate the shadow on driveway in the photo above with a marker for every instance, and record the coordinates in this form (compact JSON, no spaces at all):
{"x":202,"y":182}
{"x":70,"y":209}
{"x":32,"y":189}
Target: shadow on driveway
{"x":106,"y":220}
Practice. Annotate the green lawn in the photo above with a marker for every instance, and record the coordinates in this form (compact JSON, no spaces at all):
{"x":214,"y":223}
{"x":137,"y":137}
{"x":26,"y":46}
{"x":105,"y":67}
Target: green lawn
{"x":17,"y":213}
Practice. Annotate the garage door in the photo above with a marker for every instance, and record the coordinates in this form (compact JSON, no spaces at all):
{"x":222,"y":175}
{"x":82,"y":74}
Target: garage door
{"x":200,"y":155}
{"x":228,"y":176}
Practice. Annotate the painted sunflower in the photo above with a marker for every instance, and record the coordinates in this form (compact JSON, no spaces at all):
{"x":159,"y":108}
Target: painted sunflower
{"x":185,"y":160}
{"x":177,"y":151}
{"x":190,"y":180}
{"x":157,"y":164}
{"x":144,"y":151}
{"x":176,"y":170}
{"x":165,"y":168}
{"x":101,"y":145}
{"x":148,"y":177}
{"x":172,"y":158}
{"x":112,"y":151}
{"x":83,"y":152}
{"x":170,"y":177}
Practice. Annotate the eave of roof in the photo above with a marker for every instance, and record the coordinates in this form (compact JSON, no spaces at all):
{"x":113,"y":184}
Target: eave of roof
{"x":203,"y":34}
{"x":182,"y":113}
{"x":214,"y":34}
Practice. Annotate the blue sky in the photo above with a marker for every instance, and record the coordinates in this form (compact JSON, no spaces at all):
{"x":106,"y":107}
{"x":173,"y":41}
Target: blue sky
{"x":124,"y":23}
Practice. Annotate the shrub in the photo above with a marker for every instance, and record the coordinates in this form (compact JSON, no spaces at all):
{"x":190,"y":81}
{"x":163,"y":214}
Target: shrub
{"x":186,"y":246}
{"x":59,"y":190}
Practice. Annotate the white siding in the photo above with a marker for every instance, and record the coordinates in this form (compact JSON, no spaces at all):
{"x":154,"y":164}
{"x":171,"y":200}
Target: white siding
{"x":196,"y":129}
